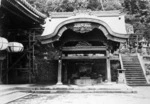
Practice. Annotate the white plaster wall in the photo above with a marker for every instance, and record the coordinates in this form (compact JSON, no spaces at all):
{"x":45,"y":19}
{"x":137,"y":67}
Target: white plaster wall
{"x":116,"y":23}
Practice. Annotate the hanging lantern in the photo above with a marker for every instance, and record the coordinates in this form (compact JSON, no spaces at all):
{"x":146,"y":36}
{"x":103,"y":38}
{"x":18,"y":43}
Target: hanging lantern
{"x":3,"y":43}
{"x":15,"y":47}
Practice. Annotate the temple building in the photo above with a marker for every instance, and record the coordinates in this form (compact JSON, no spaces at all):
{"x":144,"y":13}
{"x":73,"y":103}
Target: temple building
{"x":79,"y":47}
{"x":85,"y":40}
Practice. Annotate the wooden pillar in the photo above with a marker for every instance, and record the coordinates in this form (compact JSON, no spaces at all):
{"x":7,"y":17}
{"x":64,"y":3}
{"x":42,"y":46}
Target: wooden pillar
{"x":0,"y":72}
{"x":108,"y":67}
{"x":65,"y":73}
{"x":59,"y":77}
{"x":1,"y":63}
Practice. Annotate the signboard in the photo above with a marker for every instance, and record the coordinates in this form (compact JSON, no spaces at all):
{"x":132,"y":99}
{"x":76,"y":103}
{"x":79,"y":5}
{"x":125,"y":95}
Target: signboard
{"x":82,"y":27}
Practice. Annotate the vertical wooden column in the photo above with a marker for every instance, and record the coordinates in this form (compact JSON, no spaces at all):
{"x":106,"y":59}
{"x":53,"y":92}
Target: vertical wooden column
{"x":1,"y":63}
{"x":59,"y":77}
{"x":29,"y":59}
{"x":0,"y":72}
{"x":108,"y":67}
{"x":65,"y":73}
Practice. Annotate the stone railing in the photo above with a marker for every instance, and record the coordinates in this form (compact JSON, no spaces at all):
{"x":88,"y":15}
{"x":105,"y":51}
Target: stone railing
{"x":145,"y":63}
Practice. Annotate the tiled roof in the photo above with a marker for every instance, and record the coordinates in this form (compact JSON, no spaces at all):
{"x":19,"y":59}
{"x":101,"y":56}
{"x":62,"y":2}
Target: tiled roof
{"x":25,"y":10}
{"x":32,"y":9}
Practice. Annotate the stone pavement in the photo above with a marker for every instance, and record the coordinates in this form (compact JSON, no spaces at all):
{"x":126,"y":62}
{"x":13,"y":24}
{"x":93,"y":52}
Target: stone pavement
{"x":142,"y":97}
{"x":10,"y":93}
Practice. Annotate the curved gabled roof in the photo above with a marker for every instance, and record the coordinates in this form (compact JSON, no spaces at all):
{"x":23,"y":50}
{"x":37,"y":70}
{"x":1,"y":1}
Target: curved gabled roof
{"x":113,"y":26}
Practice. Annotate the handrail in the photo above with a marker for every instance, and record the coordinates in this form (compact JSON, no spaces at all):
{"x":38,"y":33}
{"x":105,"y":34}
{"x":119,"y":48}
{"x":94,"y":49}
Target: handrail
{"x":142,"y":65}
{"x":121,"y":62}
{"x":120,"y":58}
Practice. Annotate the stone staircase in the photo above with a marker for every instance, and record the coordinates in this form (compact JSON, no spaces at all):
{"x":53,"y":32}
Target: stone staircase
{"x":134,"y":73}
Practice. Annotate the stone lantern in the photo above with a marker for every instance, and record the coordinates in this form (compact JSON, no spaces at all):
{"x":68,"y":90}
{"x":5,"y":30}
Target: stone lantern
{"x":121,"y":76}
{"x":144,"y":44}
{"x":3,"y":43}
{"x":15,"y":47}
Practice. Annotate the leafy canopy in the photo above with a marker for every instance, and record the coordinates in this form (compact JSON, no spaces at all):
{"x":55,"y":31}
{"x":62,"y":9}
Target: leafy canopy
{"x":71,"y":5}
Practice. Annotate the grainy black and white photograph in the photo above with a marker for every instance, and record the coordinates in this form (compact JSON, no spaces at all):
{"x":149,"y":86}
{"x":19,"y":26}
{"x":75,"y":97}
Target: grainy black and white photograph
{"x":74,"y":51}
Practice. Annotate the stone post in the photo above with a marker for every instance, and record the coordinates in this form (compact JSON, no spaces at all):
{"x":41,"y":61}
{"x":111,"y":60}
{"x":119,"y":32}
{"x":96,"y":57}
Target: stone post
{"x":121,"y":76}
{"x":59,"y":77}
{"x":108,"y":67}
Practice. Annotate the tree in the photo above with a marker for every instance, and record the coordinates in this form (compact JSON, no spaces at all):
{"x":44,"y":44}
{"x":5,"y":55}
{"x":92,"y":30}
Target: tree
{"x":111,"y":5}
{"x":139,"y":16}
{"x":71,"y":5}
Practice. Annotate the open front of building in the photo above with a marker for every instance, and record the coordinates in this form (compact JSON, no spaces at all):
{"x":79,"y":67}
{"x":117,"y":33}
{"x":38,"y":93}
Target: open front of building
{"x":85,"y":43}
{"x":83,"y":59}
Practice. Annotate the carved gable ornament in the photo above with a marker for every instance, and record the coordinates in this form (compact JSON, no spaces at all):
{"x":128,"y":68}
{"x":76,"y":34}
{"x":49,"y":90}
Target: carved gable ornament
{"x":82,"y":27}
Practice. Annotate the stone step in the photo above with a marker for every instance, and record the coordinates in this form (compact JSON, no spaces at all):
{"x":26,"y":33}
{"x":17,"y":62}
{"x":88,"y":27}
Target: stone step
{"x":136,"y":80}
{"x":134,"y":70}
{"x":128,"y":61}
{"x":133,"y":60}
{"x":135,"y":77}
{"x":131,"y":76}
{"x":134,"y":73}
{"x":129,"y":68}
{"x":102,"y":88}
{"x":81,"y":91}
{"x":134,"y":84}
{"x":138,"y":67}
{"x":131,"y":64}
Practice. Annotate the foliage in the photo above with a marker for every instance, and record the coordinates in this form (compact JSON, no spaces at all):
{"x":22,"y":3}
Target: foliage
{"x":138,"y":15}
{"x":46,"y":6}
{"x":110,"y":5}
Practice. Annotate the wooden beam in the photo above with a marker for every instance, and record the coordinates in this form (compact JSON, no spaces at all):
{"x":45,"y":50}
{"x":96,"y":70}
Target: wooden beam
{"x":82,"y":57}
{"x":86,"y":48}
